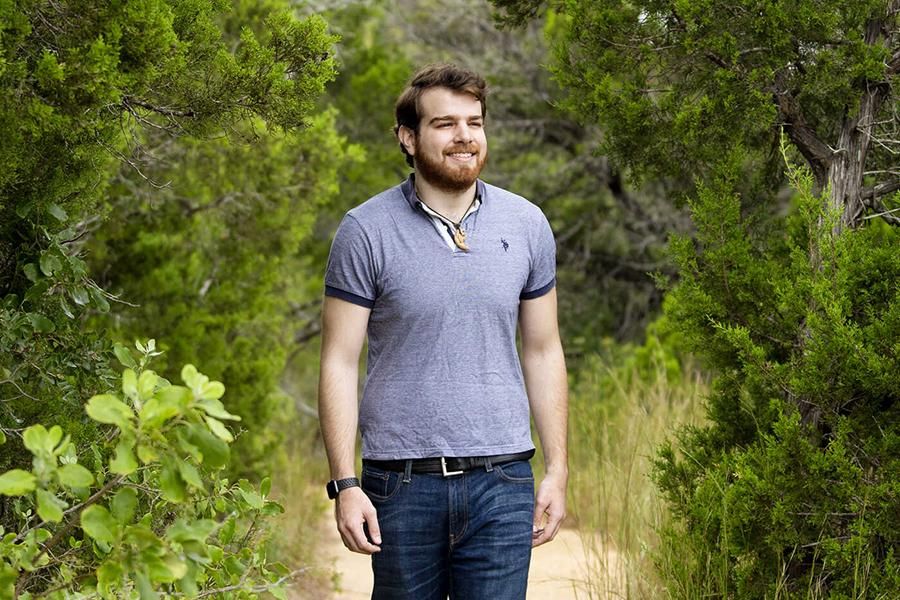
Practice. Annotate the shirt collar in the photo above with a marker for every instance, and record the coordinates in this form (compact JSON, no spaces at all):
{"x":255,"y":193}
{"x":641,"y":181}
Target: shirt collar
{"x":408,"y":188}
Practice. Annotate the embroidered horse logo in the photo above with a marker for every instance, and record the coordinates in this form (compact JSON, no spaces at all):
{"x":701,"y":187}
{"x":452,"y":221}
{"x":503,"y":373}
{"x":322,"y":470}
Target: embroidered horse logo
{"x":505,"y":245}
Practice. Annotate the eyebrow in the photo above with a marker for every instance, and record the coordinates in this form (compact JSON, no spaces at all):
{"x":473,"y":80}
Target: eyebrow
{"x":453,"y":118}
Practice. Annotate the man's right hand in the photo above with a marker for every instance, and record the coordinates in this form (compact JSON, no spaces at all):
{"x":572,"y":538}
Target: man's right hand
{"x":353,"y":510}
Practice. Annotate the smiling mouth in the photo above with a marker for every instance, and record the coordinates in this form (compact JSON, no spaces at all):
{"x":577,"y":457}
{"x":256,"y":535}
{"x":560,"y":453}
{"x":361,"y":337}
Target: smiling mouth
{"x":461,"y":155}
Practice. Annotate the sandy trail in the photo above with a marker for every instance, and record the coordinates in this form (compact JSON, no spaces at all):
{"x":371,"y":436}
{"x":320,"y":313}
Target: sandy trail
{"x":562,"y":569}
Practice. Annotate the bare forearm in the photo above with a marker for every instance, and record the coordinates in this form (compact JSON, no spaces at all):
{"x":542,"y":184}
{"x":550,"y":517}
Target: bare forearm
{"x":546,"y":382}
{"x":338,"y":416}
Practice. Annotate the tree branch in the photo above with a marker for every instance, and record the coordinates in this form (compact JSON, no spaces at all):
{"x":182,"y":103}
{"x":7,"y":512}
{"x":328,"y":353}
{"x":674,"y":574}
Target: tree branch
{"x":879,"y":191}
{"x":129,"y":101}
{"x":64,"y":529}
{"x":817,"y":153}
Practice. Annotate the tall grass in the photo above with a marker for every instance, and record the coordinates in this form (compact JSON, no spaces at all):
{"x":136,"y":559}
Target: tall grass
{"x":299,"y":473}
{"x":621,"y":409}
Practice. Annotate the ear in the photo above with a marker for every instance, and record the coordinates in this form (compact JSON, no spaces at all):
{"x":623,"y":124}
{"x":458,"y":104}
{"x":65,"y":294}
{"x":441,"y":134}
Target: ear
{"x":407,"y":137}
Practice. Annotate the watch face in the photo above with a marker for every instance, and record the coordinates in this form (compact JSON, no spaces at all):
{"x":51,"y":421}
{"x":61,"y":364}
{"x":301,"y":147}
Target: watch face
{"x":331,"y":486}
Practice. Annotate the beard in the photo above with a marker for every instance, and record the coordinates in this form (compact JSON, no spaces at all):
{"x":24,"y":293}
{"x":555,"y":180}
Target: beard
{"x":451,"y":177}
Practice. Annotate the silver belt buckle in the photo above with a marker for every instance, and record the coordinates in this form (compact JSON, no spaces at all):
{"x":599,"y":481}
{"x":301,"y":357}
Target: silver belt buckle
{"x":445,"y":471}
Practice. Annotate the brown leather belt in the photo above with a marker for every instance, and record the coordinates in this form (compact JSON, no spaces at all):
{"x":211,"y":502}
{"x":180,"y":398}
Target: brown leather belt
{"x":447,"y":465}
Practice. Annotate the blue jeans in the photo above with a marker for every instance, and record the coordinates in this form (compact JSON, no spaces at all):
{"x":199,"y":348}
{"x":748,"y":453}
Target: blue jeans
{"x":467,"y":536}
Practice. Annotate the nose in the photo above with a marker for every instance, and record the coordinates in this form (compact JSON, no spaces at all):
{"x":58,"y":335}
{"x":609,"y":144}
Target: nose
{"x":462,"y":133}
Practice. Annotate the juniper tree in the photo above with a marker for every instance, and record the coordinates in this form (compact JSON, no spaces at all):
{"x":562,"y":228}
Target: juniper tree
{"x":791,"y":489}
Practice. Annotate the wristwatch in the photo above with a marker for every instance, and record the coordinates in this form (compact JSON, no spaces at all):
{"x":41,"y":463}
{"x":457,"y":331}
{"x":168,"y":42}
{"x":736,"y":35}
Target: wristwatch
{"x":335,"y":486}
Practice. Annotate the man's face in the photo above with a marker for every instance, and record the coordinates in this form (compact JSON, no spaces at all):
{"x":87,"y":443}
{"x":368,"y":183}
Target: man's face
{"x":450,"y":148}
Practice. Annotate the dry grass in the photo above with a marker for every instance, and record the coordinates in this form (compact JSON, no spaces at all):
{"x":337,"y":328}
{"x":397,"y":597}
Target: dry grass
{"x":619,"y":415}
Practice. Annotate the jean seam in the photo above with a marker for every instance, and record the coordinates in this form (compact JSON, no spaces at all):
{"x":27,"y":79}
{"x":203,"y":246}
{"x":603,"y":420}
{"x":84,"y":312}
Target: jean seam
{"x":379,"y":497}
{"x":510,"y":478}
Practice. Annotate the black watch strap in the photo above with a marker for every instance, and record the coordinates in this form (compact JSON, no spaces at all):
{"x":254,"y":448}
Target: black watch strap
{"x":335,"y":486}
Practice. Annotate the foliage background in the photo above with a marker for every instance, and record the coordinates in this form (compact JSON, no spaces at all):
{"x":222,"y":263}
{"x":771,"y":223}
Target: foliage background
{"x":175,"y":169}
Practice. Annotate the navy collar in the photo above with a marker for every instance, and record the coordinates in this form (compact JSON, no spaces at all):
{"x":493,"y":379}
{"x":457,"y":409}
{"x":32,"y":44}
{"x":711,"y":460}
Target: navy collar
{"x":408,"y":188}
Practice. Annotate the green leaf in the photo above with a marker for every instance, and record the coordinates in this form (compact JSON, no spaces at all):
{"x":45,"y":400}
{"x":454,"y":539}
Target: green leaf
{"x":36,"y":438}
{"x":215,"y":452}
{"x":190,"y":474}
{"x":48,"y":506}
{"x":17,"y":482}
{"x":31,"y":272}
{"x":196,"y":530}
{"x":265,"y":486}
{"x":129,"y":383}
{"x":252,"y":498}
{"x":99,"y":299}
{"x":99,"y":524}
{"x":106,"y":408}
{"x":57,"y":211}
{"x":147,"y":454}
{"x":145,"y":588}
{"x":123,"y":463}
{"x":171,"y":485}
{"x":214,"y":408}
{"x":226,"y":532}
{"x":75,"y":476}
{"x":49,"y":263}
{"x":174,"y":395}
{"x":37,"y":291}
{"x":272,"y":508}
{"x":124,"y":356}
{"x":40,"y":323}
{"x":64,"y":306}
{"x":109,"y":575}
{"x":146,"y":384}
{"x":124,"y":504}
{"x":2,"y":437}
{"x":80,"y":296}
{"x":218,"y":428}
{"x":155,"y":413}
{"x":212,"y":390}
{"x":189,"y":375}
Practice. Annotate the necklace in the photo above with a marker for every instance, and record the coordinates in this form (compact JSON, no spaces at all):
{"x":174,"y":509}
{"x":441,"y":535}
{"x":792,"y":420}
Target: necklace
{"x":459,"y":234}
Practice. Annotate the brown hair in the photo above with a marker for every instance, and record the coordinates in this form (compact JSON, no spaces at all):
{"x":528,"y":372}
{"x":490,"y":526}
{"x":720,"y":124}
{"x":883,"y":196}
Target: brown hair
{"x":437,"y":75}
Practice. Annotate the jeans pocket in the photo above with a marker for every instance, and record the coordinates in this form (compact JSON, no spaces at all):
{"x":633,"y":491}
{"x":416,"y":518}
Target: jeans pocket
{"x":515,"y":472}
{"x":380,"y":485}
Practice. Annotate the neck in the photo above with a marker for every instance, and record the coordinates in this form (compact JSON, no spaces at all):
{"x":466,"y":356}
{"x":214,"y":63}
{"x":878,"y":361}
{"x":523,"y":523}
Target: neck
{"x":450,"y":204}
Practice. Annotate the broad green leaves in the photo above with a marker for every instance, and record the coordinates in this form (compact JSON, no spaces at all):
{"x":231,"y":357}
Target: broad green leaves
{"x":97,"y":522}
{"x":106,"y":408}
{"x":164,"y":448}
{"x":75,"y":476}
{"x":17,"y":482}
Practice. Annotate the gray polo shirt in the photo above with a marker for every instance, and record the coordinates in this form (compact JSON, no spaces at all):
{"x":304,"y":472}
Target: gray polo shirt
{"x":443,"y":376}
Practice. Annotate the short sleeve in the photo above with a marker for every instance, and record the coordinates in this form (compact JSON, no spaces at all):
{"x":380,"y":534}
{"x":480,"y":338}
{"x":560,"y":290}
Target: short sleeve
{"x":542,"y":277}
{"x":350,"y":274}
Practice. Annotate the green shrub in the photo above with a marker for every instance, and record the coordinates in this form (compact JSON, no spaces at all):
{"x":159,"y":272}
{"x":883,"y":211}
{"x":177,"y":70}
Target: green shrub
{"x":146,"y":509}
{"x":793,"y":489}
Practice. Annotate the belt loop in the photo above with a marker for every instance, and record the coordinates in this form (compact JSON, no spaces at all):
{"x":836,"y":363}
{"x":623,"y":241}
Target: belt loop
{"x":487,"y":464}
{"x":407,"y":472}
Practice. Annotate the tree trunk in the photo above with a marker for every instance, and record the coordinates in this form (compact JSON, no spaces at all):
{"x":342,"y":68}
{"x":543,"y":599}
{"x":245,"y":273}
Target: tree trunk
{"x":847,"y":165}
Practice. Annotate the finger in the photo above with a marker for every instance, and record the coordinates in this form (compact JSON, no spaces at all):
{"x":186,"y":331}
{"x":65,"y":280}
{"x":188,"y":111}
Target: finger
{"x":540,"y":508}
{"x":361,"y":544}
{"x":550,"y":529}
{"x":554,"y":524}
{"x":374,"y":529}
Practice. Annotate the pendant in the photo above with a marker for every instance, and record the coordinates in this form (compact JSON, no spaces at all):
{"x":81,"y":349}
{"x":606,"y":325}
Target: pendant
{"x":459,"y":238}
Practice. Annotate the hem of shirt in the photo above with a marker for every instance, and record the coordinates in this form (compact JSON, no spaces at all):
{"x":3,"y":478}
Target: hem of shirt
{"x":413,"y":454}
{"x":538,"y":292}
{"x":349,"y":296}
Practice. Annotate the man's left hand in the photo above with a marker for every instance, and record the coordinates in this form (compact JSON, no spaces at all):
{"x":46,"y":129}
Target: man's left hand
{"x":549,"y":508}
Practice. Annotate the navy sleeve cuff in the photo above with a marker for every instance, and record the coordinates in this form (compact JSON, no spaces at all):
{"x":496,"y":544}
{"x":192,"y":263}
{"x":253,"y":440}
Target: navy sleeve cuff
{"x":538,"y":292}
{"x":349,"y":297}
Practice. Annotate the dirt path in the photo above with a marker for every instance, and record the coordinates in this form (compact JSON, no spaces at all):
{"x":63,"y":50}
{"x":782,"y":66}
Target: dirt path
{"x":560,"y":570}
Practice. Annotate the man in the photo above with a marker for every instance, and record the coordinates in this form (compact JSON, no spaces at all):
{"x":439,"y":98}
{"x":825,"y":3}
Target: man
{"x":438,"y":272}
